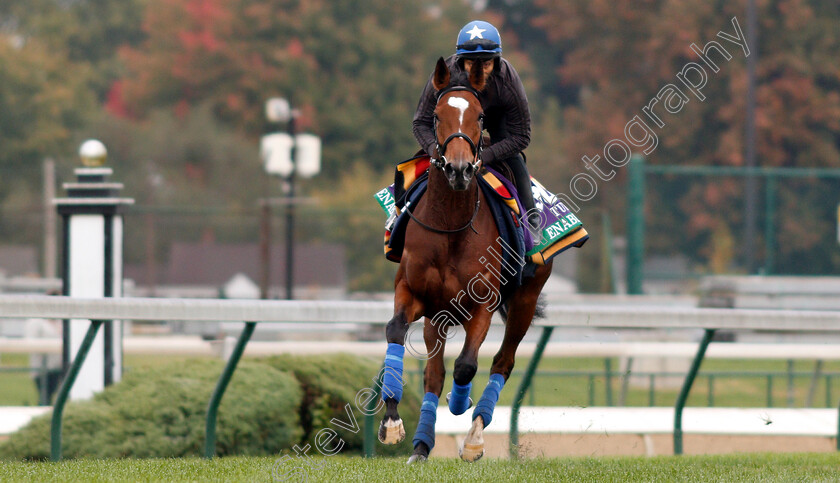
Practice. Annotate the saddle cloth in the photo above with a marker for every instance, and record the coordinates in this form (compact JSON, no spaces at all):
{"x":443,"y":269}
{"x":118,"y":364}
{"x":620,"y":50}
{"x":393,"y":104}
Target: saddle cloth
{"x":561,"y":228}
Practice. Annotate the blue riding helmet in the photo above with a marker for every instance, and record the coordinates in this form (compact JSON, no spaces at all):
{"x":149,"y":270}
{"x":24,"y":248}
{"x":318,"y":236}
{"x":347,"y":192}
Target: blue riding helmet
{"x":479,"y":40}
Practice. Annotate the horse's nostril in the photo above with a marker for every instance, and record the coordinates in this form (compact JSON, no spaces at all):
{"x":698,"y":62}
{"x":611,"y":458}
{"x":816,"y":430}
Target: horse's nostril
{"x":468,"y":171}
{"x":448,"y":170}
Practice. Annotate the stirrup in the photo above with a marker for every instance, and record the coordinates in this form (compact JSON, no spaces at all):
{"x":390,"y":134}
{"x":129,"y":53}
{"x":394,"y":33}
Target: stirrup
{"x":449,"y":395}
{"x":535,"y":228}
{"x":389,"y":223}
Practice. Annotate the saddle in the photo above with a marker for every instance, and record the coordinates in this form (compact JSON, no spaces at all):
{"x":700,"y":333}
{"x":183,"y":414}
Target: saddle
{"x":561,"y":230}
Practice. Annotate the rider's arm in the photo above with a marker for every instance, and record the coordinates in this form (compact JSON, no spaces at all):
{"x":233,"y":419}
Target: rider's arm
{"x":517,"y":118}
{"x":424,"y":124}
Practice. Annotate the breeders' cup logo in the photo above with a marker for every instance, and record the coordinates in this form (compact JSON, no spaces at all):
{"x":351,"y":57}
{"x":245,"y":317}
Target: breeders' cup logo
{"x":542,"y":196}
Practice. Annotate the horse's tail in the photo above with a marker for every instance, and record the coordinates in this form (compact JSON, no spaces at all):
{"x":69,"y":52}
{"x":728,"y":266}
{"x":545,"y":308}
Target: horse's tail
{"x":539,"y":311}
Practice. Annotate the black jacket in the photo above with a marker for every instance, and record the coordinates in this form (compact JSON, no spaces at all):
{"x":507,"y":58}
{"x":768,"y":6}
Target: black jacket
{"x":507,"y":118}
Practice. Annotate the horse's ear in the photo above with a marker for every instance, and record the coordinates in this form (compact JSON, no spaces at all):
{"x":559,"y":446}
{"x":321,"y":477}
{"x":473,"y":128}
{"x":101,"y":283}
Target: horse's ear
{"x":477,"y":79}
{"x":441,"y":77}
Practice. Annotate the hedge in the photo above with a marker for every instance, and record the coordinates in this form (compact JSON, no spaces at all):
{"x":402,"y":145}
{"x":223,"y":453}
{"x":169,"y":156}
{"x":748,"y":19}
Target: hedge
{"x":270,"y":405}
{"x":160,"y":412}
{"x":330,"y":383}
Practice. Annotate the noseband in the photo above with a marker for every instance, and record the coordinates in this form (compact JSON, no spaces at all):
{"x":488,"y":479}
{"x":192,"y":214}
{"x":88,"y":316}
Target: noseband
{"x":441,"y":147}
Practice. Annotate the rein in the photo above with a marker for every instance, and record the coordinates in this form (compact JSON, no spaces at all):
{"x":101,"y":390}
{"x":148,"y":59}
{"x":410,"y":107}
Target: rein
{"x":438,"y":230}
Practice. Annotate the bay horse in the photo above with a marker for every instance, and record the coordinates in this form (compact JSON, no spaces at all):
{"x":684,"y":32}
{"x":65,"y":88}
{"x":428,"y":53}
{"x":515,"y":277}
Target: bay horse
{"x":448,"y":276}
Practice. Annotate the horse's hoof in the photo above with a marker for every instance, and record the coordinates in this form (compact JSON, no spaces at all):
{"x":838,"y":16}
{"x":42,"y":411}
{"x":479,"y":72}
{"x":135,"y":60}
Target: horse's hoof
{"x":391,"y":431}
{"x":471,"y":452}
{"x":416,"y":458}
{"x":449,"y":394}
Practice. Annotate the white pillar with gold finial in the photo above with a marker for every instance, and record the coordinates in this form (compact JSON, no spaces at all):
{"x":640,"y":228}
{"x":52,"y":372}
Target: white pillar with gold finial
{"x":92,"y":264}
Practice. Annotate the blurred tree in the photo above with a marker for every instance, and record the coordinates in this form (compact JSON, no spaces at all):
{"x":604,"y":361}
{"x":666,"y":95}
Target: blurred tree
{"x":204,"y":181}
{"x":348,"y":214}
{"x":84,"y":32}
{"x":41,"y":97}
{"x":521,"y":32}
{"x":619,"y":54}
{"x":354,"y":68}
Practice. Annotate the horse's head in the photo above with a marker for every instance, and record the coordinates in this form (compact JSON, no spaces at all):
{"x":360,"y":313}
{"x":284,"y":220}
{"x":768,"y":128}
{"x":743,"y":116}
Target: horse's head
{"x":459,"y":121}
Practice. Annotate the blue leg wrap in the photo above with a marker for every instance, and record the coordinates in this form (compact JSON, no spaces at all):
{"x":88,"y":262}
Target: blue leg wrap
{"x":426,"y":425}
{"x":459,"y":401}
{"x":489,"y":397}
{"x":392,"y":379}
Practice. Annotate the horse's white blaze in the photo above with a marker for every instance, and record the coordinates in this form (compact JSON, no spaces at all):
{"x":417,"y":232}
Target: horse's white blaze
{"x":462,"y":105}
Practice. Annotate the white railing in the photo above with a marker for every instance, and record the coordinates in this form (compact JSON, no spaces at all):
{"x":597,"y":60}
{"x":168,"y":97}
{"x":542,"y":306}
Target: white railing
{"x":296,"y":311}
{"x":251,"y":312}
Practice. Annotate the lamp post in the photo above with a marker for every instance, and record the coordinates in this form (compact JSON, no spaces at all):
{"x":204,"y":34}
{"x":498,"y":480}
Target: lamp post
{"x":285,"y":155}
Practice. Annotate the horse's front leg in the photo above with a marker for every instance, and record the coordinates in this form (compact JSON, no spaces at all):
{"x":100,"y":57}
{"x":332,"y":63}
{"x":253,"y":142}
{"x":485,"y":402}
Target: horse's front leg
{"x":521,"y":308}
{"x":406,"y":310}
{"x":434,"y":336}
{"x":466,"y":366}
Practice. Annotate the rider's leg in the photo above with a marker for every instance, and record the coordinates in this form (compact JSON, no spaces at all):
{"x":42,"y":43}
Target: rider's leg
{"x":522,"y":180}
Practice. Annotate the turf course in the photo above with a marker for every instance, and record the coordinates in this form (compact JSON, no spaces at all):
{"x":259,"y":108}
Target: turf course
{"x":744,"y":467}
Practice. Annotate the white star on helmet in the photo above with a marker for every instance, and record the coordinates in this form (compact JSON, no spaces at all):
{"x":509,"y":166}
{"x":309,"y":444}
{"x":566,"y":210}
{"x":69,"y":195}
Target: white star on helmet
{"x":476,"y":32}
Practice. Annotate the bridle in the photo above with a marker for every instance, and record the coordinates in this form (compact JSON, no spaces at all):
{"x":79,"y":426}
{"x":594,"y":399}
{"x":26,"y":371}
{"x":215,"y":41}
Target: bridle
{"x":476,"y":148}
{"x":441,"y":161}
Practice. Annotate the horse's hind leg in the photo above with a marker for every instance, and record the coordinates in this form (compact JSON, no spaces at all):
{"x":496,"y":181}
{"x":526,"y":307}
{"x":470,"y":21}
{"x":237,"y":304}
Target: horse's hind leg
{"x":424,"y":438}
{"x":521,"y":308}
{"x":406,"y":310}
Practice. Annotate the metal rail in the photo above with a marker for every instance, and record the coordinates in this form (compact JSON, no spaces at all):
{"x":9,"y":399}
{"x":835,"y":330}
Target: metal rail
{"x":523,"y":388}
{"x":221,"y":386}
{"x":686,"y":388}
{"x":592,"y":316}
{"x":220,"y":310}
{"x":66,"y":385}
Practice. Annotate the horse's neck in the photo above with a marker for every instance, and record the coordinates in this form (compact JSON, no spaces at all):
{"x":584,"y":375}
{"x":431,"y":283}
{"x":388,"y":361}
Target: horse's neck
{"x":453,"y":208}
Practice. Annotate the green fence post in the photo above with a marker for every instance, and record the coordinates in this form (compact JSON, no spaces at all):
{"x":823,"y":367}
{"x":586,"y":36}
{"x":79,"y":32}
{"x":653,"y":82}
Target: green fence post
{"x":790,"y":383}
{"x":221,"y":386}
{"x":635,"y":225}
{"x":711,"y":397}
{"x":625,"y":382}
{"x":769,"y":390}
{"x":686,"y":388}
{"x":370,"y":431}
{"x":523,"y":387}
{"x":828,"y":398}
{"x":837,"y":439}
{"x":608,"y":282}
{"x":652,"y":390}
{"x":66,"y":385}
{"x":43,"y":394}
{"x":608,"y":380}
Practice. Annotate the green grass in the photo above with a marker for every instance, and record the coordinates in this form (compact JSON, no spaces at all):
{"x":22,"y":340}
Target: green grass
{"x":18,"y":387}
{"x":747,"y":467}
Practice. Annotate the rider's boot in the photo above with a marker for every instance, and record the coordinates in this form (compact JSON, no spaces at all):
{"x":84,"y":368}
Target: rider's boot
{"x":522,"y":180}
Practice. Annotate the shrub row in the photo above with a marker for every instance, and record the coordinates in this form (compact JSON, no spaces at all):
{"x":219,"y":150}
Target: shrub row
{"x":269,"y":406}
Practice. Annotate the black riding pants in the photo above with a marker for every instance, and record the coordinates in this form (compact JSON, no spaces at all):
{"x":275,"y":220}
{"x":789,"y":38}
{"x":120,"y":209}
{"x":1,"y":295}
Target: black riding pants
{"x":522,"y":180}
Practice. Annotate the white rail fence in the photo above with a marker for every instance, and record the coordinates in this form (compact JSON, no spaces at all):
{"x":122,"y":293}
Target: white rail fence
{"x":334,"y":312}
